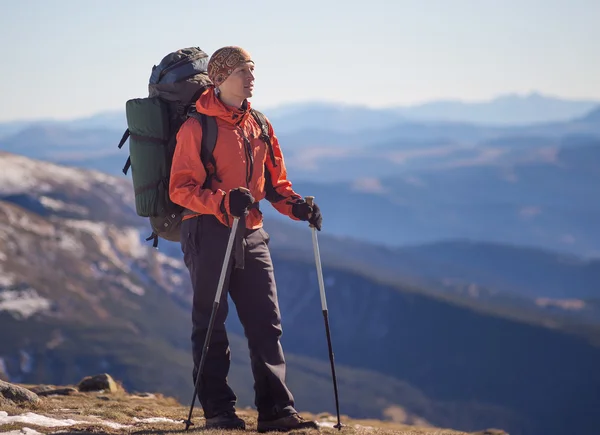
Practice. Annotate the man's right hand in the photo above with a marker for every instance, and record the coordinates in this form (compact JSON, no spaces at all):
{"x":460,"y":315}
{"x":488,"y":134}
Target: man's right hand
{"x":240,"y":199}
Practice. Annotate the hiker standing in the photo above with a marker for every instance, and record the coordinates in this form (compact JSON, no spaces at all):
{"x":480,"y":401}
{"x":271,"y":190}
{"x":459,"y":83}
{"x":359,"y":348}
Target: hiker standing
{"x":246,"y":170}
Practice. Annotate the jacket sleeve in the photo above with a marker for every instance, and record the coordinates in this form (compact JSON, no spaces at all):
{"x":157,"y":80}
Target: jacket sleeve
{"x":278,"y":188}
{"x":188,"y":173}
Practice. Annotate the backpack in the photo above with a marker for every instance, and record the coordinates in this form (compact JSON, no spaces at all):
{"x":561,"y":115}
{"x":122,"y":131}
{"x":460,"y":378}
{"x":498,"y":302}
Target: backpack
{"x":152,"y":125}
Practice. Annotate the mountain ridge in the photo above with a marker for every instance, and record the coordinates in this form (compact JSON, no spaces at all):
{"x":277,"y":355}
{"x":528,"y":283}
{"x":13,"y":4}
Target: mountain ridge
{"x":504,"y":110}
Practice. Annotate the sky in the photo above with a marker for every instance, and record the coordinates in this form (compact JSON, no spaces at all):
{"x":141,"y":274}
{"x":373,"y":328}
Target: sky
{"x":65,"y":59}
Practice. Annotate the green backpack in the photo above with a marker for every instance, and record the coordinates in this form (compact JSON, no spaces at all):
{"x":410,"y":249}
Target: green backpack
{"x":174,"y":86}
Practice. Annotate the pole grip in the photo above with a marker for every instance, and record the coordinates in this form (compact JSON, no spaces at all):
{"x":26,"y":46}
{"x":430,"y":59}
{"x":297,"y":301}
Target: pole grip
{"x":310,"y":200}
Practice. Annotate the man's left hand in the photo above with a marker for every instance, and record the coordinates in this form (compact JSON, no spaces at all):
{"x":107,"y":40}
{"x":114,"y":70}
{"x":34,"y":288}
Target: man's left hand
{"x":305,"y":212}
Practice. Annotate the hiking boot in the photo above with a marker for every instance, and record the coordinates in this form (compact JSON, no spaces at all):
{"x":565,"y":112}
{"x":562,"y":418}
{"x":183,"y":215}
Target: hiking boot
{"x":284,"y":424}
{"x":225,"y":420}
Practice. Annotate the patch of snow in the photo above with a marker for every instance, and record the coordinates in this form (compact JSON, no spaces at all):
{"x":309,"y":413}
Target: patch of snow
{"x":129,"y":243}
{"x":119,"y":245}
{"x":100,"y":233}
{"x":42,"y":420}
{"x":111,"y":424}
{"x":170,"y":261}
{"x":57,"y":205}
{"x":24,"y":303}
{"x":6,"y":279}
{"x":565,"y":304}
{"x":133,"y":288}
{"x":123,"y":188}
{"x":37,"y":419}
{"x":155,"y":420}
{"x":16,"y":218}
{"x":22,"y":174}
{"x":24,"y":431}
{"x":68,"y":242}
{"x":92,"y":227}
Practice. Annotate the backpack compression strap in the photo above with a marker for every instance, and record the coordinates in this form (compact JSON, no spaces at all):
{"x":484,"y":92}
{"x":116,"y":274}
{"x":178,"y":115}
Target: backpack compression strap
{"x":264,"y":127}
{"x":210,"y":131}
{"x":126,"y":135}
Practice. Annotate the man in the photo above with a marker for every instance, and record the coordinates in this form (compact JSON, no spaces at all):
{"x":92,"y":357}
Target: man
{"x":247,"y":171}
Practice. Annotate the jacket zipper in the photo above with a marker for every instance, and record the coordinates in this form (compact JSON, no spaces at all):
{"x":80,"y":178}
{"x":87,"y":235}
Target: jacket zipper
{"x":249,"y":158}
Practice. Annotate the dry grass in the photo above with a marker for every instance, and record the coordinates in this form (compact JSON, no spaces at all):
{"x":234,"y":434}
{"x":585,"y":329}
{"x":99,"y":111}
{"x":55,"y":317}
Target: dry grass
{"x":94,"y":410}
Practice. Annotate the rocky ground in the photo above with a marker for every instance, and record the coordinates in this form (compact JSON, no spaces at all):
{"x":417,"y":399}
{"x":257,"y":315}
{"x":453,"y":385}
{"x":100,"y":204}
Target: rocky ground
{"x":99,"y":405}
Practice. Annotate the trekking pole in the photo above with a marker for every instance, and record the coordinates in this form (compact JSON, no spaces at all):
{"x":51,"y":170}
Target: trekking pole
{"x":310,"y":201}
{"x":188,"y":422}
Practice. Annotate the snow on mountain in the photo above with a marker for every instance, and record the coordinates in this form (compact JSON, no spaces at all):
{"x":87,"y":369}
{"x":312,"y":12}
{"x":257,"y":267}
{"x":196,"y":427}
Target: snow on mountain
{"x":21,"y":174}
{"x":6,"y":279}
{"x":23,"y":303}
{"x":72,"y":230}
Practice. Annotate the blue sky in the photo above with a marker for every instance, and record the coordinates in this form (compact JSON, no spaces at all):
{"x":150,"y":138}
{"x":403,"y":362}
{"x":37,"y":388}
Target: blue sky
{"x":66,"y":58}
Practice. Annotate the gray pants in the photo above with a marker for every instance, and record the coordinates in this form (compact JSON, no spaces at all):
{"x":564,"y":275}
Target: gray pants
{"x":253,"y":290}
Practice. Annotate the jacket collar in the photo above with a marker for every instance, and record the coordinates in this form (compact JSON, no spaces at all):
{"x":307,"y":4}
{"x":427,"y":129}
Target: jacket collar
{"x":210,"y":104}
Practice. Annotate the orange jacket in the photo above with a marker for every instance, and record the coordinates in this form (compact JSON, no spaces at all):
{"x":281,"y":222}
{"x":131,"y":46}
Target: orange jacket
{"x":259,"y":175}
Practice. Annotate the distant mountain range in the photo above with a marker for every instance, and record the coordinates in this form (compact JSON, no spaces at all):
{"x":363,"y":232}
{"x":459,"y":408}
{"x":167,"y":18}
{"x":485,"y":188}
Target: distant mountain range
{"x":502,"y":111}
{"x":512,"y":109}
{"x":80,"y":294}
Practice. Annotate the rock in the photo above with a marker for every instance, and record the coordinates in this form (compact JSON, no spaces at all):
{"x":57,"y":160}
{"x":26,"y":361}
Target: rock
{"x":58,"y":391}
{"x":41,"y":388}
{"x":103,"y":382}
{"x":48,"y":390}
{"x":17,"y":394}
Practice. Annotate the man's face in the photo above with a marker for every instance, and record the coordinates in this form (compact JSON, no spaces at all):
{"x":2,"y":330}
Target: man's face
{"x":240,"y":82}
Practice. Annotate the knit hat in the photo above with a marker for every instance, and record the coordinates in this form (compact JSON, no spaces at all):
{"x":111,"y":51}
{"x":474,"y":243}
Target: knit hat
{"x":224,"y":61}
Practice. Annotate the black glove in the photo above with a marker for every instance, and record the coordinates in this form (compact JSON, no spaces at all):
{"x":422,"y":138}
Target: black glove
{"x":239,"y":200}
{"x":303,"y":210}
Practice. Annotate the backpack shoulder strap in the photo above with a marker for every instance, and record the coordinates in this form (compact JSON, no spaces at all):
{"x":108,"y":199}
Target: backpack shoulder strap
{"x":210,"y":132}
{"x":264,"y":127}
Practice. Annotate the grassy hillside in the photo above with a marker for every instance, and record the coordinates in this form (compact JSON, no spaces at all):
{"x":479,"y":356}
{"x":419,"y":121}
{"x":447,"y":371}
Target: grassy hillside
{"x":121,"y":412}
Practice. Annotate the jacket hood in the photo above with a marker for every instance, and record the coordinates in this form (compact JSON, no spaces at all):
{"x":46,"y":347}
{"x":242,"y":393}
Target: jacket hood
{"x":210,"y":104}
